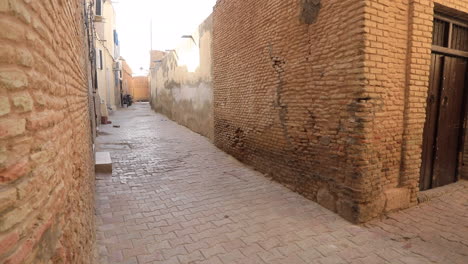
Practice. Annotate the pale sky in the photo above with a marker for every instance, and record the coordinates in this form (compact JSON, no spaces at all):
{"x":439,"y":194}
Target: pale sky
{"x":171,"y":20}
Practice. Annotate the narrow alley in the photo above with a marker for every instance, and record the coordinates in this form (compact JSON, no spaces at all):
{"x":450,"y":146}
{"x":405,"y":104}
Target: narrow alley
{"x":233,"y":131}
{"x":173,"y":197}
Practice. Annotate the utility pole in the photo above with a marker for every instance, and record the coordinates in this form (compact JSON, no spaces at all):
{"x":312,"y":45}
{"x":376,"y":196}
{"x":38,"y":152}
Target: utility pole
{"x":151,"y":34}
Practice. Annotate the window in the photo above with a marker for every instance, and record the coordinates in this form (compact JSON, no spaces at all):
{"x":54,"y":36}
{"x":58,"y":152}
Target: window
{"x":99,"y":59}
{"x":450,"y":34}
{"x":116,"y":38}
{"x":98,"y":7}
{"x":440,"y":33}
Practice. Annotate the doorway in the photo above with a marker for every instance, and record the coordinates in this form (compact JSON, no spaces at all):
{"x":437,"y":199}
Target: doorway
{"x":446,"y":104}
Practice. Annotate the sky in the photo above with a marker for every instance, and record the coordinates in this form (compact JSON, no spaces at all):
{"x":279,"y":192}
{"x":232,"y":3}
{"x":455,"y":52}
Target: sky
{"x":171,"y":19}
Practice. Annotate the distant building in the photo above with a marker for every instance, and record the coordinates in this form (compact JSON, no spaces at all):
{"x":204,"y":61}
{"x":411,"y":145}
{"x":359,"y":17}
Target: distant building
{"x":140,"y":89}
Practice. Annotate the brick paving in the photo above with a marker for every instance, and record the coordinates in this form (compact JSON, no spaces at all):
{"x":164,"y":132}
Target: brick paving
{"x":175,"y":198}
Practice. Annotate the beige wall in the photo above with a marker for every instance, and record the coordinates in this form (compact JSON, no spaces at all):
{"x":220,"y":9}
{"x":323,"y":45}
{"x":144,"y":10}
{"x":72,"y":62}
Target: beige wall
{"x":106,"y":81}
{"x":182,"y":83}
{"x":105,"y":29}
{"x":127,"y":79}
{"x":108,"y":87}
{"x":155,"y":56}
{"x":46,"y":156}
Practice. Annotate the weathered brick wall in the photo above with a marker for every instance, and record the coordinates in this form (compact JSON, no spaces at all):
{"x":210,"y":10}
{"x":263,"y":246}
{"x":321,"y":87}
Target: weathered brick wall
{"x":386,"y":69}
{"x":46,"y":172}
{"x":329,"y":101}
{"x":182,"y":85}
{"x":398,"y":58}
{"x":289,"y":96}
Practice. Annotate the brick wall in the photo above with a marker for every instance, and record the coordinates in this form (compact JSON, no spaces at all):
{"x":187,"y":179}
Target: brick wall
{"x":289,"y":95}
{"x":46,"y":172}
{"x":140,"y":88}
{"x":398,"y":58}
{"x":327,"y":97}
{"x":182,"y":82}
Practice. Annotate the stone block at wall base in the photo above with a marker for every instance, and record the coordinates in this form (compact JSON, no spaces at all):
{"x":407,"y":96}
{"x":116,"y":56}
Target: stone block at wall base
{"x":391,"y":200}
{"x":326,"y":199}
{"x":348,"y":210}
{"x":103,"y":162}
{"x":371,"y":209}
{"x":361,"y":212}
{"x":397,"y":198}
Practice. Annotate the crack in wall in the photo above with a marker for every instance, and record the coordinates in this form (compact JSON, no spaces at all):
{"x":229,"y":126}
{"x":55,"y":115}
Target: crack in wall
{"x":277,"y":64}
{"x":283,"y":108}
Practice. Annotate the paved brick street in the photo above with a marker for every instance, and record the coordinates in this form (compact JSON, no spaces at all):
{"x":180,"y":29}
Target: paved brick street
{"x":175,"y":198}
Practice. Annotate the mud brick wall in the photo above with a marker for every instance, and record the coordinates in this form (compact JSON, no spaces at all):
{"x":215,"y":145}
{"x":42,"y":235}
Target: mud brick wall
{"x":46,"y":164}
{"x":289,"y":95}
{"x":182,"y":86}
{"x":327,"y":97}
{"x":397,"y":67}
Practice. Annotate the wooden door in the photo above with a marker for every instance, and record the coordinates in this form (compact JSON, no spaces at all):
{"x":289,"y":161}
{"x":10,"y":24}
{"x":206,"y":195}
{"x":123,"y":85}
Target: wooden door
{"x":445,"y":106}
{"x":449,"y":122}
{"x":430,"y":127}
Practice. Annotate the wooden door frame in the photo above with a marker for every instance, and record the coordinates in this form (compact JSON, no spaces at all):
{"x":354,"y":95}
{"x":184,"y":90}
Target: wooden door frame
{"x":430,"y":128}
{"x":464,"y":130}
{"x":450,"y":52}
{"x":463,"y":125}
{"x":462,"y":54}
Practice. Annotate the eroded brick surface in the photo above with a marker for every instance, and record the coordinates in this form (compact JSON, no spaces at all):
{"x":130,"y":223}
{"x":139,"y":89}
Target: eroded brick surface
{"x":46,"y":155}
{"x":175,"y":198}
